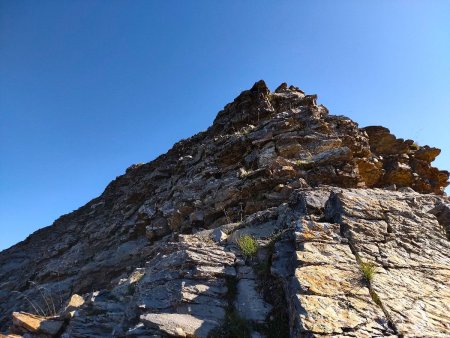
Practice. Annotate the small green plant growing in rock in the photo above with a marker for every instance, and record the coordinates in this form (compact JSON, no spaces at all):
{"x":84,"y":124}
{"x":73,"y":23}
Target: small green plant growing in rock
{"x":368,"y":270}
{"x":414,"y":146}
{"x":248,"y":245}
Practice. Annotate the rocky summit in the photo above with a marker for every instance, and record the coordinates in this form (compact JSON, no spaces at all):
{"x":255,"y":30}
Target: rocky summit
{"x":280,"y":220}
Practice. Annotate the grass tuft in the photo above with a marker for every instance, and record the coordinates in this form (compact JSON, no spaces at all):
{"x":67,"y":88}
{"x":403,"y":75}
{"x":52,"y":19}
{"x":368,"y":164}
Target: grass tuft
{"x":248,"y":245}
{"x":368,"y":270}
{"x":44,"y":305}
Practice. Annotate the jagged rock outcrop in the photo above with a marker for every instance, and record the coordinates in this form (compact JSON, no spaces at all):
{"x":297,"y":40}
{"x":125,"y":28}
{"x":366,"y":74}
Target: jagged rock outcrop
{"x":408,"y":292}
{"x":158,"y":254}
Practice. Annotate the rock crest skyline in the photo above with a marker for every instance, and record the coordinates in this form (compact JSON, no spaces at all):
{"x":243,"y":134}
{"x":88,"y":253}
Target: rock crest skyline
{"x":157,"y":253}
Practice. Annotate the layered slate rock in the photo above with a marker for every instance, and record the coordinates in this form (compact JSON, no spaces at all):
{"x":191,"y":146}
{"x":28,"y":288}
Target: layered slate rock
{"x":182,"y":289}
{"x":404,"y":163}
{"x":156,"y":253}
{"x":325,"y":286}
{"x":191,"y":280}
{"x":332,"y":296}
{"x":397,"y":232}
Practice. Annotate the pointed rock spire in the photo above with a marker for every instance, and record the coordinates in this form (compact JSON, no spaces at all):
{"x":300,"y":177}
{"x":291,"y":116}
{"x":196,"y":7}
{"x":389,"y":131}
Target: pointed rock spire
{"x":248,"y":108}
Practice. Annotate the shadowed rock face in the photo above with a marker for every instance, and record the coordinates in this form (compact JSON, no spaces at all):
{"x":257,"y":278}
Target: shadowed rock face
{"x":155,"y":254}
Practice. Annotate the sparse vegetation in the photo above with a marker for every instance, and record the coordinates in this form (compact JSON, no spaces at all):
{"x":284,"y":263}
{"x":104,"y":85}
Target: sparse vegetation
{"x":368,"y":270}
{"x":414,"y":146}
{"x":248,"y":245}
{"x":262,"y":268}
{"x":277,"y":324}
{"x":45,"y":306}
{"x":233,"y":326}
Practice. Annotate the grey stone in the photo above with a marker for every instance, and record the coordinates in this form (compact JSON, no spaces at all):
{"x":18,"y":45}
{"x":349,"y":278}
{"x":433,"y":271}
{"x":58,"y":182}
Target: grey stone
{"x":219,"y":236}
{"x":179,"y":325}
{"x":249,"y":303}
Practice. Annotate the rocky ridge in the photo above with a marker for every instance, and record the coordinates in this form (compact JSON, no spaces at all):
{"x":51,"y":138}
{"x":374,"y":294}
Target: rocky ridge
{"x":157,"y":254}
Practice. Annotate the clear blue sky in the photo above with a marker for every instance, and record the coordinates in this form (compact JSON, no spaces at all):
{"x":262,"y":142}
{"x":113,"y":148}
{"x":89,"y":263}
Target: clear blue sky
{"x":89,"y":87}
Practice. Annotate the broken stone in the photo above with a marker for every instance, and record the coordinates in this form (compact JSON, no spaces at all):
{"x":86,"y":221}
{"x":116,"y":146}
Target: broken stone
{"x":28,"y":323}
{"x":219,"y":236}
{"x":75,"y":302}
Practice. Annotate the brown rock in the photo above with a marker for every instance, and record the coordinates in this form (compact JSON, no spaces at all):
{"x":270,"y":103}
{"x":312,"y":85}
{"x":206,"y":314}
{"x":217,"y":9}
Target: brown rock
{"x":427,"y":154}
{"x":75,"y":302}
{"x":28,"y":323}
{"x":382,"y":142}
{"x":289,"y":149}
{"x":370,"y":171}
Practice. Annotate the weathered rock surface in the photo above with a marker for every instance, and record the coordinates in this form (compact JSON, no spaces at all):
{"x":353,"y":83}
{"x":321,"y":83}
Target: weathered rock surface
{"x":179,"y":325}
{"x":326,"y":289}
{"x":410,"y":250}
{"x":156,"y":254}
{"x":249,"y":303}
{"x":28,"y":323}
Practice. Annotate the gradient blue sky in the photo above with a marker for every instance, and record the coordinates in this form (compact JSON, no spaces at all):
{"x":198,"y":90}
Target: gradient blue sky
{"x":89,"y":87}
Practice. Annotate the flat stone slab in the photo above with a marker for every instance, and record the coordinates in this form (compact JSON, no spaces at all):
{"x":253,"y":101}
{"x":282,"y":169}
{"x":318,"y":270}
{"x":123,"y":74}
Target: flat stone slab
{"x":37,"y":324}
{"x":249,"y":303}
{"x":258,"y":231}
{"x":179,"y":325}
